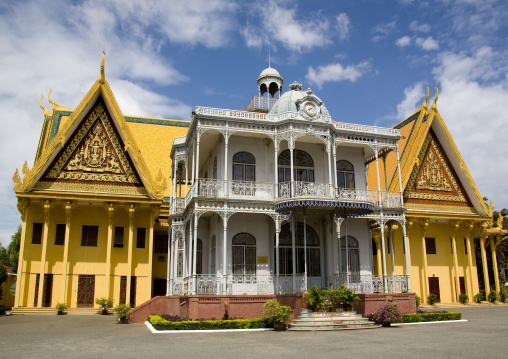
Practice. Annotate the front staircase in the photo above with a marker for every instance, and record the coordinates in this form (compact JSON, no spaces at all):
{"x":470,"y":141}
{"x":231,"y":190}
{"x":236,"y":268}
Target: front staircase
{"x":46,"y":310}
{"x":309,"y":320}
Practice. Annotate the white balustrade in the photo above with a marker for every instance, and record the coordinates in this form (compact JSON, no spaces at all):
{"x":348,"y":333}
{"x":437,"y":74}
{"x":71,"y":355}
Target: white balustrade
{"x":370,"y":283}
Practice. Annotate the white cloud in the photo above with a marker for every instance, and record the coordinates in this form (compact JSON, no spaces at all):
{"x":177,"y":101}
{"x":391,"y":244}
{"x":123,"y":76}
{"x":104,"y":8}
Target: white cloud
{"x":403,"y":41}
{"x":427,"y":44}
{"x":281,"y":24}
{"x":38,"y":52}
{"x":473,"y":93}
{"x":412,"y":99}
{"x":336,"y":72}
{"x":417,"y":27}
{"x":343,"y":25}
{"x":383,"y":29}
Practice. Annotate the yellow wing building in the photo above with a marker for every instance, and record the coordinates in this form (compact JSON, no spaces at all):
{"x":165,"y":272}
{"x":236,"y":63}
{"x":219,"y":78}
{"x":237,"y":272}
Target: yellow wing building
{"x":93,"y":209}
{"x":446,"y":217}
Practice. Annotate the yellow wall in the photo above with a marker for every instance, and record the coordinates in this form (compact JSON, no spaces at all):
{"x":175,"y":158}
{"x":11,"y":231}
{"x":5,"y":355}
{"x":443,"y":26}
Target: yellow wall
{"x":7,"y":299}
{"x":83,"y":260}
{"x":439,"y":265}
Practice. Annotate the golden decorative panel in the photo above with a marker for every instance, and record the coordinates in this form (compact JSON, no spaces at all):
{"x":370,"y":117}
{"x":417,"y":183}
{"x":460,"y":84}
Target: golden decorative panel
{"x":431,"y":176}
{"x":93,"y":160}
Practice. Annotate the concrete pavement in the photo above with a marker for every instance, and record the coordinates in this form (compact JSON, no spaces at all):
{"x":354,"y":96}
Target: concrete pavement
{"x":95,"y":336}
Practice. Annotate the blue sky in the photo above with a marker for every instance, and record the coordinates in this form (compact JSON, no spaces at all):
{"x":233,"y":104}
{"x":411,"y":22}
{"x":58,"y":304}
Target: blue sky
{"x":368,"y":61}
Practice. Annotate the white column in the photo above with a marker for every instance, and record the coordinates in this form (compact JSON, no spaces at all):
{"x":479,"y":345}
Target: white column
{"x":224,"y":252}
{"x":406,"y":250}
{"x":277,"y":231}
{"x":293,"y":250}
{"x":186,"y":175}
{"x":390,"y":236}
{"x":189,"y":247}
{"x":334,"y":152}
{"x":330,"y":166}
{"x":169,"y":272}
{"x":276,"y":169}
{"x":305,"y":244}
{"x":197,"y":155}
{"x":348,"y":271}
{"x":195,"y":251}
{"x":194,"y":162}
{"x":383,"y":252}
{"x":175,"y":165}
{"x":226,"y":164}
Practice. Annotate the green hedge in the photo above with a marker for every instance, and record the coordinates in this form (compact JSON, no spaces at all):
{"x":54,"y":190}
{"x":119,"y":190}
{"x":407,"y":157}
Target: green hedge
{"x":430,"y":317}
{"x":163,"y":324}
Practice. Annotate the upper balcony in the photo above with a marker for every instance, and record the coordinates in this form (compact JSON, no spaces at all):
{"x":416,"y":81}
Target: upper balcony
{"x":261,"y":103}
{"x":287,"y":194}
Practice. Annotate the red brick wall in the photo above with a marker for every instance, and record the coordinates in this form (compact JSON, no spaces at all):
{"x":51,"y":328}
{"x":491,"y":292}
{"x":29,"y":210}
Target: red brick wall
{"x":213,"y":307}
{"x":251,"y":306}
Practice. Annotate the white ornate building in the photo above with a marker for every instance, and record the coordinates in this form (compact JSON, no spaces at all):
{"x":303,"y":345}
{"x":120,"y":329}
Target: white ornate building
{"x":264,"y":199}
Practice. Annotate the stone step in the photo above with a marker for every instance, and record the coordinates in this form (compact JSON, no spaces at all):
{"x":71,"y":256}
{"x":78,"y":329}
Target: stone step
{"x":313,"y":319}
{"x":355,"y":327}
{"x":36,"y":310}
{"x":330,"y":322}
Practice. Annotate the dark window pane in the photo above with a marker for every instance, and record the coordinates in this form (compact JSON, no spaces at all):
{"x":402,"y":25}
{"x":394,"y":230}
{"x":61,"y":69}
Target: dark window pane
{"x":119,"y":235}
{"x":89,"y":236}
{"x":430,"y":245}
{"x":60,"y":235}
{"x":160,"y":243}
{"x":237,"y":172}
{"x":250,"y":173}
{"x":140,"y":237}
{"x":37,"y":233}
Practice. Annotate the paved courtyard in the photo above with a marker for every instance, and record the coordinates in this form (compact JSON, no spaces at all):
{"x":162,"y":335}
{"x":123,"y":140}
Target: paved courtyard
{"x":485,"y":335}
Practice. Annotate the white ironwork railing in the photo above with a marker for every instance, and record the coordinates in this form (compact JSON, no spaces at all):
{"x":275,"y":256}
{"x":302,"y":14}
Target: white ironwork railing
{"x":177,"y":286}
{"x":270,"y":192}
{"x":261,"y":102}
{"x":178,"y":205}
{"x":391,"y":199}
{"x":367,"y":283}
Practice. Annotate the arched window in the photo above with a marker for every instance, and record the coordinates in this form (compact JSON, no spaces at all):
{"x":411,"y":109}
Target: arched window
{"x":244,"y":167}
{"x":303,"y":166}
{"x":353,"y":256}
{"x":244,"y":254}
{"x":286,"y":250}
{"x":179,"y":266}
{"x":214,"y":172}
{"x":345,"y":174}
{"x":213,"y":249}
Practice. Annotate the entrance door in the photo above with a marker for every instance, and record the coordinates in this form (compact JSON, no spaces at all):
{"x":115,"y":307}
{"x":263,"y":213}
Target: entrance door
{"x":462,"y":284}
{"x":36,"y":295}
{"x":133,"y":292}
{"x":123,"y":289}
{"x":159,"y":287}
{"x":86,"y":291}
{"x":434,"y":287}
{"x":48,"y":290}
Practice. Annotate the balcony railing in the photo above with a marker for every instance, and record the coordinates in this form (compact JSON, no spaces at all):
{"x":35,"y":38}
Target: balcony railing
{"x":261,"y":103}
{"x":255,"y":284}
{"x":371,"y":283}
{"x":279,"y":192}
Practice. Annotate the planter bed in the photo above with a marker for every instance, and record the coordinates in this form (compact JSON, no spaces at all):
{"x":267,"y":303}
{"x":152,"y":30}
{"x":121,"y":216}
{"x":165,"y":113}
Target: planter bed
{"x":162,"y":324}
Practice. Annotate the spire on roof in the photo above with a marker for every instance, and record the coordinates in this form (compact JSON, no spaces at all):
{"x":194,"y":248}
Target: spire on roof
{"x":46,"y":111}
{"x":102,"y":77}
{"x":424,"y":104}
{"x":434,"y":106}
{"x":53,"y":103}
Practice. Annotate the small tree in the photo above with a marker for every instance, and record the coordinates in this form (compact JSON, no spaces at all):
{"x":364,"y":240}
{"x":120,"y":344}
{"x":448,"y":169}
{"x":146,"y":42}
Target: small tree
{"x":104,"y":303}
{"x":3,"y":279}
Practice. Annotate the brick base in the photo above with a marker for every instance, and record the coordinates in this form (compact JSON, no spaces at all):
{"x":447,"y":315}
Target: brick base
{"x":251,"y":306}
{"x":213,"y":307}
{"x":369,"y":303}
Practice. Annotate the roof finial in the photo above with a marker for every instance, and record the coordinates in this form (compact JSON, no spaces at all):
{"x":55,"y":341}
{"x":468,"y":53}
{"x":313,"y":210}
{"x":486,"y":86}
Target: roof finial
{"x":434,"y":106}
{"x":424,"y":104}
{"x":269,"y":55}
{"x":46,"y":111}
{"x":102,"y":77}
{"x":53,"y":103}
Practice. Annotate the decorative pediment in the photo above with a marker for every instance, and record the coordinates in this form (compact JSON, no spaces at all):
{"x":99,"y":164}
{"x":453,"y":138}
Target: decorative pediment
{"x":432,"y":177}
{"x":93,"y":159}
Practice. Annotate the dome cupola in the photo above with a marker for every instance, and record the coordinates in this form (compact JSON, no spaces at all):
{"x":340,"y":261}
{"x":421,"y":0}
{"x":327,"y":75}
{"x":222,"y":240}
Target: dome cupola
{"x":308,"y":105}
{"x":270,"y":81}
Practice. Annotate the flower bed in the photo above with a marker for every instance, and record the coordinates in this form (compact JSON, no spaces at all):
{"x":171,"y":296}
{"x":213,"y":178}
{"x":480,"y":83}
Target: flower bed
{"x":430,"y":317}
{"x":160,"y":323}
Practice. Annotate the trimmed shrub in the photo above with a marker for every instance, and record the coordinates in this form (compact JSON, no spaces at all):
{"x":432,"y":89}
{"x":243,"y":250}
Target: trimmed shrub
{"x":430,"y":317}
{"x":431,"y":298}
{"x":492,"y":296}
{"x":463,"y":298}
{"x":502,"y":296}
{"x":478,"y":298}
{"x":162,"y":324}
{"x":386,"y":314}
{"x":418,"y":301}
